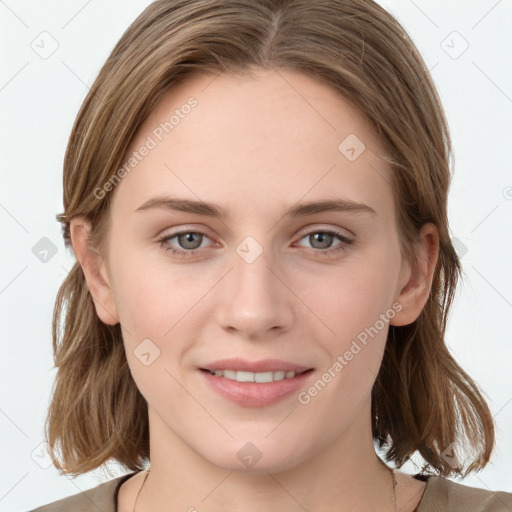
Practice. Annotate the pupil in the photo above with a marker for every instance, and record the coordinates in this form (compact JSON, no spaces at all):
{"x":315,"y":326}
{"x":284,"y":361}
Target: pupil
{"x":188,"y":238}
{"x":322,"y":237}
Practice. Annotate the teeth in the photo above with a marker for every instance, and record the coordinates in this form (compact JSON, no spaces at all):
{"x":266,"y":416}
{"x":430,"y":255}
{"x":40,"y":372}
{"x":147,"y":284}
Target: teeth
{"x":242,"y":376}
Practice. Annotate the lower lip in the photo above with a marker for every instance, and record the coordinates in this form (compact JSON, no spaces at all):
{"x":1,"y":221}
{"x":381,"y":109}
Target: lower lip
{"x":255,"y":394}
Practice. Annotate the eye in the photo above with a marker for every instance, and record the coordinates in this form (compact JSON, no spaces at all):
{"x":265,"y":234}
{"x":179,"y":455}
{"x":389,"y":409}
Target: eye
{"x":187,"y":239}
{"x":191,"y":241}
{"x":323,"y":239}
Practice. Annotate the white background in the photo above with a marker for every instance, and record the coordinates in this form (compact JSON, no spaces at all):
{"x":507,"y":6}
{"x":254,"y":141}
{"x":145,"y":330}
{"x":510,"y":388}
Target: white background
{"x":39,"y":99}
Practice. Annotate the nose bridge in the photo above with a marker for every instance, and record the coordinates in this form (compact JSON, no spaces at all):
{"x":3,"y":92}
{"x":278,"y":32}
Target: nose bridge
{"x":252,"y":272}
{"x":253,"y":279}
{"x":255,"y":300}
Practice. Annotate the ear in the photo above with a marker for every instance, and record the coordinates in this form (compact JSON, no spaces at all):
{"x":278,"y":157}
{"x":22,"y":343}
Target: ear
{"x":414,"y":284}
{"x":95,"y":271}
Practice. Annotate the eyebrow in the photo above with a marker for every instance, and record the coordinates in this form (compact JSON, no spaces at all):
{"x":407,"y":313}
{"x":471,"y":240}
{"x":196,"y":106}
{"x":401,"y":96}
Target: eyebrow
{"x":212,"y":210}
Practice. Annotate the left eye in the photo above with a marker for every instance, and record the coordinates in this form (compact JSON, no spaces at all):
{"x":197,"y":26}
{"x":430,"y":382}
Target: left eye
{"x":188,"y":240}
{"x":324,"y":237}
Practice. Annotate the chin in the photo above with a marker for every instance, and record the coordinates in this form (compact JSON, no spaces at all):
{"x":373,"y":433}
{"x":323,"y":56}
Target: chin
{"x":258,"y":456}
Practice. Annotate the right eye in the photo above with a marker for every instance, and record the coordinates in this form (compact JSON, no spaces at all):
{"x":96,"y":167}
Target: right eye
{"x":184,"y":238}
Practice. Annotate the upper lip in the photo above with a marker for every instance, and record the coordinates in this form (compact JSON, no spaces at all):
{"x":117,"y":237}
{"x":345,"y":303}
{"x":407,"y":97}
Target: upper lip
{"x":265,"y":365}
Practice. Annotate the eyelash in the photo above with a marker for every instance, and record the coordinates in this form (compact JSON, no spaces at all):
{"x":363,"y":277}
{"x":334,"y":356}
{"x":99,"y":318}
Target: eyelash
{"x":327,"y":252}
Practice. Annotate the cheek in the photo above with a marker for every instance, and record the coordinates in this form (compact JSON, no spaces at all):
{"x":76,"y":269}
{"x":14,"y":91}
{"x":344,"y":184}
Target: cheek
{"x":353,"y":296}
{"x":354,"y":313}
{"x":146,"y":298}
{"x":159,"y":301}
{"x":355,"y":307}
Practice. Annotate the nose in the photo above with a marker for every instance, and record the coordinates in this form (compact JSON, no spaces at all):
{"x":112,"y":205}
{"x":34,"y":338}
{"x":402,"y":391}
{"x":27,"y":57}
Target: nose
{"x":255,"y":297}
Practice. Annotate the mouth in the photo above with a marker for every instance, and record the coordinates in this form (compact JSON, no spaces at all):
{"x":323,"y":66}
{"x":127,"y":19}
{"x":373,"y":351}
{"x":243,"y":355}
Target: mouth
{"x":256,"y":389}
{"x":257,"y":377}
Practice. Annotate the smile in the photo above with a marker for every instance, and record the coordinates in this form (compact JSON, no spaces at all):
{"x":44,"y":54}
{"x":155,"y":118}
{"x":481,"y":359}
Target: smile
{"x":244,"y":376}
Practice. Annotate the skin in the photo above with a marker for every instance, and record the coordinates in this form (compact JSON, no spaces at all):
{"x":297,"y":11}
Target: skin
{"x":257,"y":145}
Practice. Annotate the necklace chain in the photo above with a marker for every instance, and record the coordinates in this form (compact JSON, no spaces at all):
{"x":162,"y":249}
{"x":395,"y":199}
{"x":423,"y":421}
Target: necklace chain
{"x":391,"y":473}
{"x":140,"y":489}
{"x":393,"y":483}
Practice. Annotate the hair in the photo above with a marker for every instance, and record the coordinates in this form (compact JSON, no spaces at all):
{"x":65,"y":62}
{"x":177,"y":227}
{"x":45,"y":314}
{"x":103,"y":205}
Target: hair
{"x":422,"y":400}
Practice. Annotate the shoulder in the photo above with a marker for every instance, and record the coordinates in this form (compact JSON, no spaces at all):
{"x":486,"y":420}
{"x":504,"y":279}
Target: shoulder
{"x":442,"y":495}
{"x":102,"y":497}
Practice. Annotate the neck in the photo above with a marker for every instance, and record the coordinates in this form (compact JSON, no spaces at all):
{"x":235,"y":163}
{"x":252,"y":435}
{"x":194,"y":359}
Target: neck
{"x":346,"y":475}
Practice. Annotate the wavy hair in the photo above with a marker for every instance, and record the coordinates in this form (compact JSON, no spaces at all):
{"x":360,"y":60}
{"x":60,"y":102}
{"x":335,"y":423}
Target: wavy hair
{"x":422,"y":400}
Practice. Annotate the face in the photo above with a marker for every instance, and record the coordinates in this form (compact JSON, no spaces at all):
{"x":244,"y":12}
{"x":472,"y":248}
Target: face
{"x":263,"y":279}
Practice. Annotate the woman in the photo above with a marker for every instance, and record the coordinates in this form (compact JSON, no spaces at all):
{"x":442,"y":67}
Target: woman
{"x":256,"y":195}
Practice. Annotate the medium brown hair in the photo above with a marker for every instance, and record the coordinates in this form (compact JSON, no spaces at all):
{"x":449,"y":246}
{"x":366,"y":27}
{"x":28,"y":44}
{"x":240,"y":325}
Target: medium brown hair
{"x":422,"y":400}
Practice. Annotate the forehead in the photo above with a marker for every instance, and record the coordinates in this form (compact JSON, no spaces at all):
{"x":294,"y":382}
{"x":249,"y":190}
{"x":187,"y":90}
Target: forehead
{"x":239,"y":139}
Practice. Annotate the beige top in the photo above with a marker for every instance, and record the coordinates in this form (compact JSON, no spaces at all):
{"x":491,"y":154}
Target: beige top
{"x":440,"y":495}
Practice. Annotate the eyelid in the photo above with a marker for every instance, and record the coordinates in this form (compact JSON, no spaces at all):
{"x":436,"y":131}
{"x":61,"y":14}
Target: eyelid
{"x":178,"y":230}
{"x":318,"y":228}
